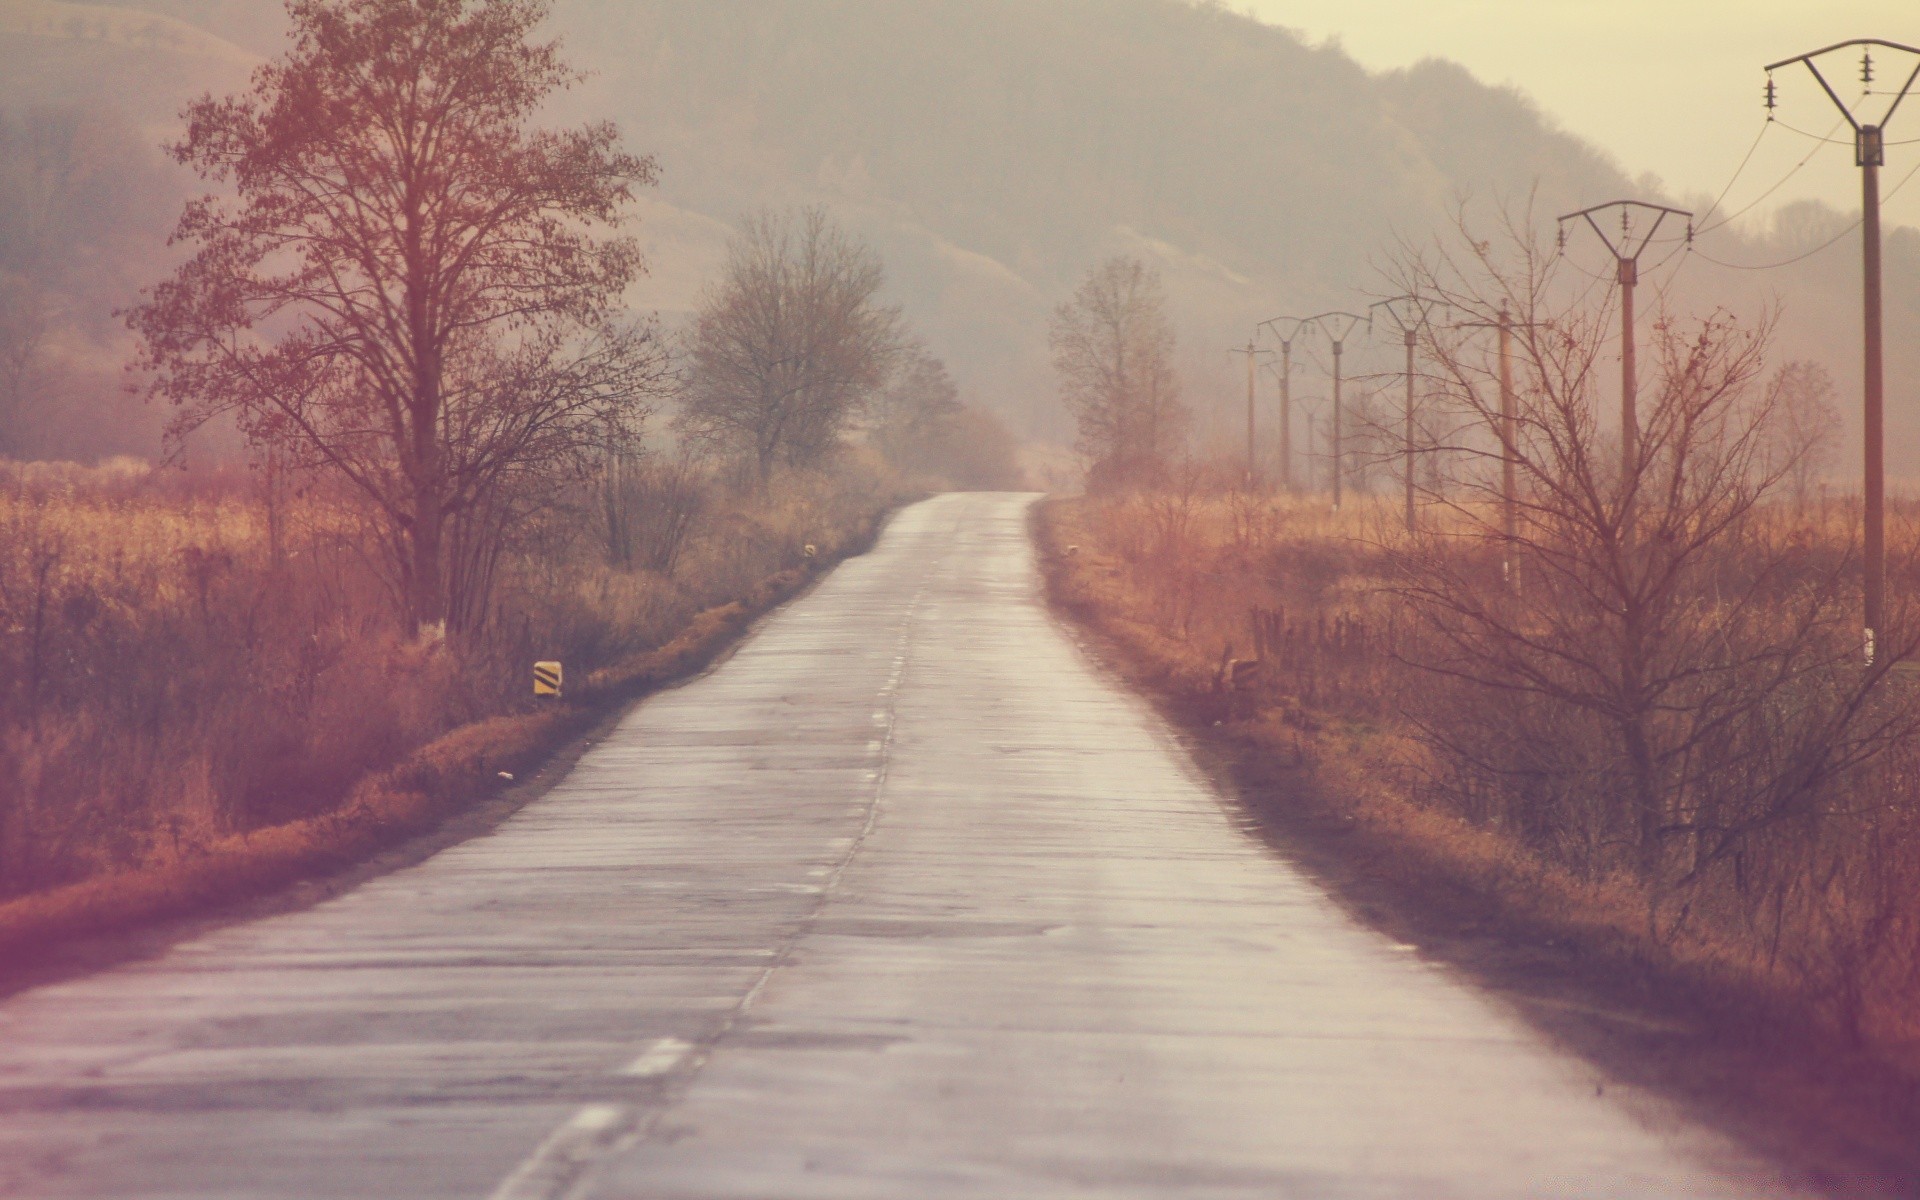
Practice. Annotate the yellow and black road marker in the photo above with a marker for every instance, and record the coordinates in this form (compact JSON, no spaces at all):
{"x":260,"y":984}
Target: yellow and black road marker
{"x":546,"y":679}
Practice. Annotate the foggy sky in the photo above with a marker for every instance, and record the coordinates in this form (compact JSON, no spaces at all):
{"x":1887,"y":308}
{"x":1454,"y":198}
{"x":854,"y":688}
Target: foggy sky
{"x":1668,"y":88}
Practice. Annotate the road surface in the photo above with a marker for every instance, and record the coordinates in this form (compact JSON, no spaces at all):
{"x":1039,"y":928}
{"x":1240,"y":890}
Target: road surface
{"x":906,"y":900}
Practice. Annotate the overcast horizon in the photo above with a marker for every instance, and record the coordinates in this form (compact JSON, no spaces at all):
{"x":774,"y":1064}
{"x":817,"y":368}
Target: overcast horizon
{"x":1684,"y":109}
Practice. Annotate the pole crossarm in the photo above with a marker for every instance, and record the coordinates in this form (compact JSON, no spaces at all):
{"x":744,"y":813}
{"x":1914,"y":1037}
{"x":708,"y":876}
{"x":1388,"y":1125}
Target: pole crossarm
{"x":1408,"y":312}
{"x":1866,"y":71}
{"x":1329,"y":322}
{"x":1787,"y":62}
{"x":1625,"y":250}
{"x":1285,"y":340}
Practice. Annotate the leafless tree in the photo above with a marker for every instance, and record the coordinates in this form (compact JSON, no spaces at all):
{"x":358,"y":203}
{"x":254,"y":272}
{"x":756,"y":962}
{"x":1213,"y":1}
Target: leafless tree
{"x":409,"y":284}
{"x":1633,"y":673}
{"x":23,"y":331}
{"x":1804,"y":433}
{"x":916,"y":409}
{"x":646,"y":504}
{"x":791,"y":345}
{"x":1113,"y":352}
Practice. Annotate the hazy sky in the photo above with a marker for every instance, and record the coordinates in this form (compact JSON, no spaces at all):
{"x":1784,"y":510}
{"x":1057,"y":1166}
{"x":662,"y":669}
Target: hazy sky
{"x":1670,"y":87}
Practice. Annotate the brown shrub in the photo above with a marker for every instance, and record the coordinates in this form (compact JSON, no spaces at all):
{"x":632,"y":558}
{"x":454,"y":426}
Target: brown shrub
{"x":168,"y":683}
{"x":1818,"y":909}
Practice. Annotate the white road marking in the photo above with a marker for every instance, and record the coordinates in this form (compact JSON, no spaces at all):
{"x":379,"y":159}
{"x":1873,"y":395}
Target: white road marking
{"x":567,"y":1152}
{"x":658,"y":1059}
{"x":599,"y":1131}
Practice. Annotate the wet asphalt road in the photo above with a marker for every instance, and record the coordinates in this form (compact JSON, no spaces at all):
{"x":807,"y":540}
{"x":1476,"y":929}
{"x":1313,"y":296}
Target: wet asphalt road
{"x":905,"y":900}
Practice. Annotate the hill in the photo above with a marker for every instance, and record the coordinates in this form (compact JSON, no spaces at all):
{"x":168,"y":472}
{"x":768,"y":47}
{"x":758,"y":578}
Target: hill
{"x":994,"y":149}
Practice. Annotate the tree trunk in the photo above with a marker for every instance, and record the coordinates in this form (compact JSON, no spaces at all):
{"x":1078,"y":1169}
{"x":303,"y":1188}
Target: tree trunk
{"x":768,"y":450}
{"x":427,"y":582}
{"x":1649,"y":815}
{"x":427,"y":589}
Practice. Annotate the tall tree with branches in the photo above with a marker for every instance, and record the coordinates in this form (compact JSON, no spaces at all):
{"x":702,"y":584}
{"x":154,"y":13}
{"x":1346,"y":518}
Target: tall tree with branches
{"x":1113,"y":352}
{"x":406,"y":282}
{"x":792,"y":344}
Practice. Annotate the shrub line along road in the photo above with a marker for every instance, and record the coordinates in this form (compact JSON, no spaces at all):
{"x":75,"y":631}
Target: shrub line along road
{"x":906,"y":900}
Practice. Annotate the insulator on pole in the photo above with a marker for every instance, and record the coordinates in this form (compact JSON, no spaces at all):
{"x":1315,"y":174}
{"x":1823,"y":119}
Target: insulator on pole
{"x":1866,"y":67}
{"x":1773,"y":96}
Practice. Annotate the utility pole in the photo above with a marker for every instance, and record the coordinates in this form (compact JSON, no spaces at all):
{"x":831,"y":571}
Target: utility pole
{"x":1338,"y":326}
{"x":1253,"y":353}
{"x":1626,"y":254}
{"x":1286,"y":393}
{"x":1408,"y":313}
{"x":1509,"y":433}
{"x":1312,"y":405}
{"x":1253,"y":377}
{"x":1869,"y":154}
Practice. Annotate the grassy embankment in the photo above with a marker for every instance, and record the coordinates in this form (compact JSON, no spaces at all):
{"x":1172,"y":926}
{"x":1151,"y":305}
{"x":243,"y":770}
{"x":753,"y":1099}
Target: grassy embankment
{"x":190,"y":718}
{"x":1324,"y":740}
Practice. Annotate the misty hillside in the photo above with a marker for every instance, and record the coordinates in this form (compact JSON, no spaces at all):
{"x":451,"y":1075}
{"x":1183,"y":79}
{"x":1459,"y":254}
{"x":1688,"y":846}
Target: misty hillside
{"x":998,"y":148}
{"x":994,"y":149}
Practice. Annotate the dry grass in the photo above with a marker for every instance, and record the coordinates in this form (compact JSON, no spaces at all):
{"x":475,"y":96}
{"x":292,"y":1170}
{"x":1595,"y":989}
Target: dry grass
{"x":1816,"y":928}
{"x":185,"y":720}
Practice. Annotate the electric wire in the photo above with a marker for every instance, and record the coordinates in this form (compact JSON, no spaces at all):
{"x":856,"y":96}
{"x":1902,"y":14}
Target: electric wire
{"x":1761,"y":198}
{"x":1830,"y":140}
{"x":1738,"y":171}
{"x":1904,"y":179}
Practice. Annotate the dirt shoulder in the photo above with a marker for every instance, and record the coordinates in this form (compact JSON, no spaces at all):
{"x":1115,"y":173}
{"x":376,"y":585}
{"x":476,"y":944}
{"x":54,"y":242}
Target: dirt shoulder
{"x":461,"y":786}
{"x":1837,"y":1121}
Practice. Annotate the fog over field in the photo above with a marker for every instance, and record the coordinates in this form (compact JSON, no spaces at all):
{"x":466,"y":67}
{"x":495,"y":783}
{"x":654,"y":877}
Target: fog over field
{"x":991,"y":150}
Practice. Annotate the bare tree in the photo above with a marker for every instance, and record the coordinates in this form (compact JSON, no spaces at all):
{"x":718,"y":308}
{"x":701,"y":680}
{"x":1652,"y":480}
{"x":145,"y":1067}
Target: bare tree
{"x":919,"y":424}
{"x":645,"y":505}
{"x":1113,"y":352}
{"x":410,"y":285}
{"x":23,"y":331}
{"x":791,"y":345}
{"x":1640,"y":678}
{"x":916,"y":409}
{"x":1804,"y":432}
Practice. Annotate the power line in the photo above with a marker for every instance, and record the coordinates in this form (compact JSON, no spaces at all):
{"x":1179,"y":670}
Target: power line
{"x":1761,"y":198}
{"x":1828,"y":244}
{"x":1737,"y":172}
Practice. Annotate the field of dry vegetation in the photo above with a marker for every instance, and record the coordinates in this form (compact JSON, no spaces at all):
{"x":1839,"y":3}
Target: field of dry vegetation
{"x":1777,"y":869}
{"x":203,"y":693}
{"x":457,"y":464}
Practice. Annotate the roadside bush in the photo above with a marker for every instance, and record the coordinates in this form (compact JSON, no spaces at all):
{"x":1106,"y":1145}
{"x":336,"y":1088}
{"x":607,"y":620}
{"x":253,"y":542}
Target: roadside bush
{"x":167,"y":681}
